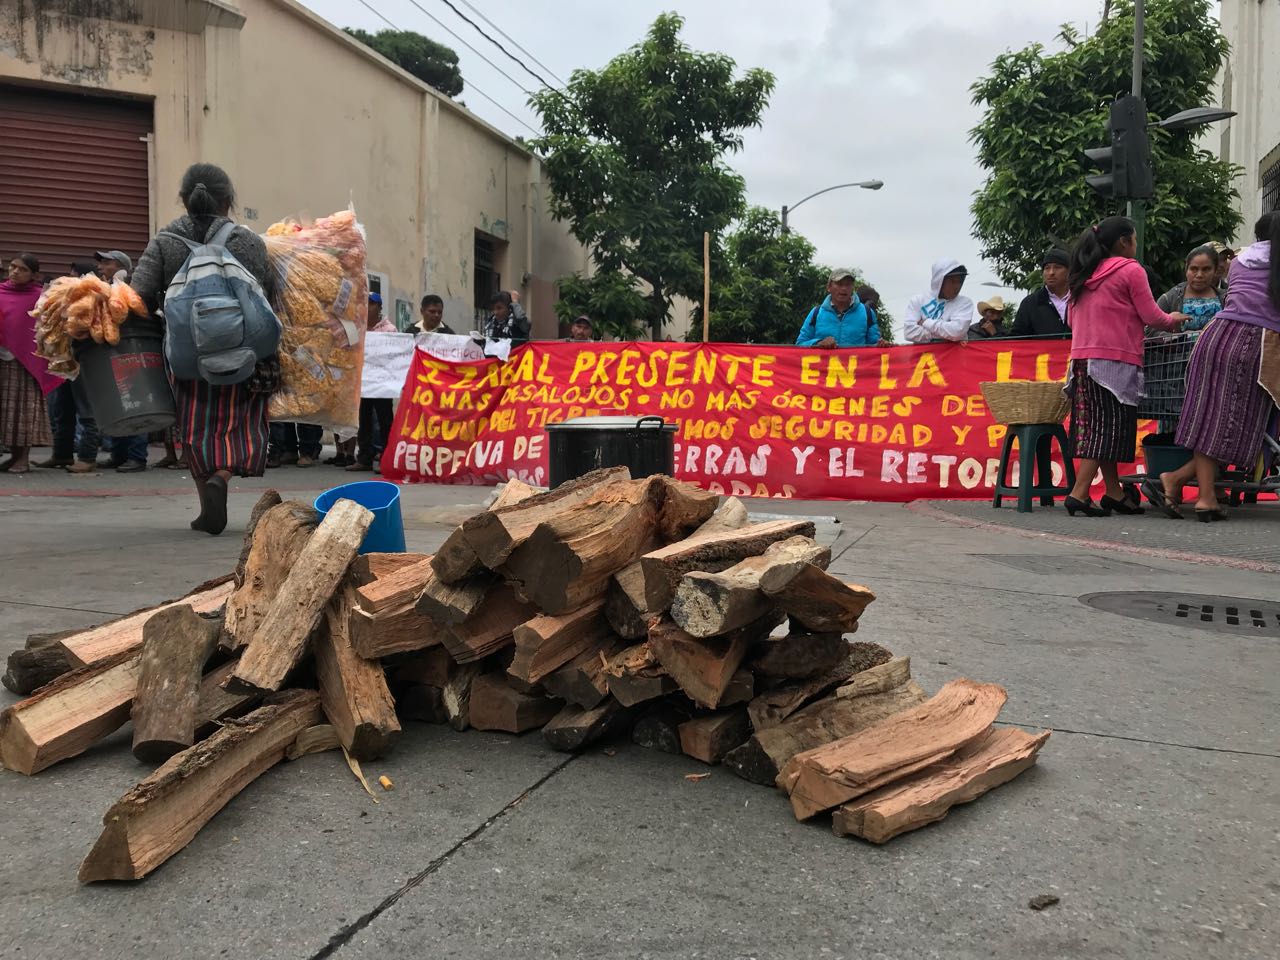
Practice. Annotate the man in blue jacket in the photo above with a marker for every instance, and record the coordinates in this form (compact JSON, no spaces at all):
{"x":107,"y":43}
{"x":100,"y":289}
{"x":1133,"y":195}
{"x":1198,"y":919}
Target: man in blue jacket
{"x":841,"y":320}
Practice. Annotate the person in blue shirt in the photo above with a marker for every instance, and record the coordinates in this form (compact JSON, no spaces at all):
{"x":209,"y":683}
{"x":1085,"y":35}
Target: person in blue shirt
{"x":841,"y":320}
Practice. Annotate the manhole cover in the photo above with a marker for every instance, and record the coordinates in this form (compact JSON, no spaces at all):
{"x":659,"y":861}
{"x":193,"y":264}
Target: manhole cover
{"x":1234,"y":615}
{"x":1058,"y":566}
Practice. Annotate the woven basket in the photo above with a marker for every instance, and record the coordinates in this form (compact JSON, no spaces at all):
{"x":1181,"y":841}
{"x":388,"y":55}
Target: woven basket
{"x":1025,"y":401}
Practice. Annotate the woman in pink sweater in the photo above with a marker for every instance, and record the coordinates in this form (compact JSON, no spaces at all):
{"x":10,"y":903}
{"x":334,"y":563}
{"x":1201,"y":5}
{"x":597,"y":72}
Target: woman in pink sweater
{"x":1111,"y":303}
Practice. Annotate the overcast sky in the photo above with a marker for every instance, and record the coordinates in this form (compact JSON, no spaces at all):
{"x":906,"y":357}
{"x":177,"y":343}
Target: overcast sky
{"x":865,"y":89}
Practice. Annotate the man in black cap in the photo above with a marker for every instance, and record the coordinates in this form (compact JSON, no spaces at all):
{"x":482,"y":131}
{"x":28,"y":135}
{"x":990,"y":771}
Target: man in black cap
{"x":1044,"y":313}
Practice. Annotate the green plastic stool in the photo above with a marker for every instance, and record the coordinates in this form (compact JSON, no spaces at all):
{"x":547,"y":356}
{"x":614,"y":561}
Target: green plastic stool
{"x":1035,"y":456}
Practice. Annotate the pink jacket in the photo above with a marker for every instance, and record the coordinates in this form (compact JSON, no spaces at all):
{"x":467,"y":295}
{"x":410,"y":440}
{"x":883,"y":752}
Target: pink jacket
{"x":1108,"y":319}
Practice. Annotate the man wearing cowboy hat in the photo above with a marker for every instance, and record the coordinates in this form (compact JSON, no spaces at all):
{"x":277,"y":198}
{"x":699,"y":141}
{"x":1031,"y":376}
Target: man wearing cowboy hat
{"x":992,"y":323}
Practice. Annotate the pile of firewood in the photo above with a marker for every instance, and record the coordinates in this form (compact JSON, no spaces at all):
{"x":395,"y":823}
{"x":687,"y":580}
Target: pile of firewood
{"x":605,"y":605}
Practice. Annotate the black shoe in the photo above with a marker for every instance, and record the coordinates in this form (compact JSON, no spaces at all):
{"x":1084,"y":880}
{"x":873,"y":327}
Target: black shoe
{"x":273,"y":461}
{"x":131,"y":466}
{"x":1214,"y":516}
{"x":215,"y":506}
{"x":1075,"y":506}
{"x":1154,"y":491}
{"x":1120,"y":506}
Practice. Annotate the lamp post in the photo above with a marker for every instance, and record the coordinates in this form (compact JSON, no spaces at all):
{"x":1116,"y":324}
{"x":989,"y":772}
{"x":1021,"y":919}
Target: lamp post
{"x":864,"y":184}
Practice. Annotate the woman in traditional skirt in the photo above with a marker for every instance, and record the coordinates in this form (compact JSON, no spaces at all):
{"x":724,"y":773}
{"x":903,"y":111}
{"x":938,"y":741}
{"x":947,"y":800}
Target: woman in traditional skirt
{"x":223,"y":429}
{"x":1111,"y":303}
{"x":1233,"y":380}
{"x":24,"y":377}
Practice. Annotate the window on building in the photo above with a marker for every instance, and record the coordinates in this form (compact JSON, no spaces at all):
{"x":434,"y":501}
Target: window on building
{"x":1271,"y":188}
{"x":490,"y":257}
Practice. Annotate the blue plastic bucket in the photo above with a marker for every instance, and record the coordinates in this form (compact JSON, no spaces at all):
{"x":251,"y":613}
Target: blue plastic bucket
{"x":386,"y":533}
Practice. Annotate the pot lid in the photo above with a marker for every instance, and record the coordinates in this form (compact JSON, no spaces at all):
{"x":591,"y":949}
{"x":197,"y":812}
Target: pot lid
{"x":614,"y":423}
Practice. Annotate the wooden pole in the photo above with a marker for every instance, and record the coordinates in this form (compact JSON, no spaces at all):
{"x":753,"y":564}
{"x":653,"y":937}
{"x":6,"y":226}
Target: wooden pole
{"x":706,"y":287}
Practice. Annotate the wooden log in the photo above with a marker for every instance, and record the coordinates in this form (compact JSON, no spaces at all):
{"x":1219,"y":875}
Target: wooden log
{"x":431,"y":667}
{"x":624,"y":604}
{"x":835,"y":773}
{"x":316,"y":739}
{"x":278,"y":539}
{"x":491,"y":628}
{"x":582,"y":681}
{"x":708,"y":604}
{"x":385,"y":617}
{"x":886,"y":675}
{"x":353,"y":691}
{"x":512,"y":492}
{"x":926,"y":797}
{"x":124,"y":634}
{"x":709,"y":738}
{"x":799,"y":656}
{"x":216,"y":703}
{"x":176,"y":644}
{"x":456,"y":695}
{"x":659,"y":727}
{"x":455,"y":558}
{"x":665,"y":567}
{"x":281,"y":638}
{"x":368,"y":567}
{"x":683,"y":508}
{"x":41,"y":661}
{"x":767,"y":751}
{"x":488,"y":538}
{"x":420,"y":701}
{"x":496,"y":705}
{"x":704,"y":666}
{"x":454,"y":603}
{"x":545,"y":644}
{"x":574,"y":728}
{"x":815,"y":599}
{"x":568,"y":559}
{"x":730,"y":515}
{"x":774,"y":706}
{"x":161,"y":815}
{"x":634,"y":676}
{"x":270,"y":498}
{"x":741,"y":689}
{"x":66,"y":717}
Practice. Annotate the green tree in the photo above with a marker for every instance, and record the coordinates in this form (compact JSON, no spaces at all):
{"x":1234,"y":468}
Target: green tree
{"x":613,"y":301}
{"x":635,"y":159}
{"x":1042,"y":109}
{"x":433,"y":63}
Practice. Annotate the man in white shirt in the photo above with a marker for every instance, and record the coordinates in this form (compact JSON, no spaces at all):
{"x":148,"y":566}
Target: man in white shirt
{"x":941,"y":314}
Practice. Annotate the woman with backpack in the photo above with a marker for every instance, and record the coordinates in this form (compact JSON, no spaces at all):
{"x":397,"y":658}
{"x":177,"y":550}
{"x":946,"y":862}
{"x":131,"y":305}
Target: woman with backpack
{"x":222,"y":426}
{"x":1111,"y":302}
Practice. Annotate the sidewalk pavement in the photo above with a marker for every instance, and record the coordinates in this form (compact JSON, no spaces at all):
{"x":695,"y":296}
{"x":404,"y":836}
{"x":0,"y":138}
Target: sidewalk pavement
{"x":1151,"y":813}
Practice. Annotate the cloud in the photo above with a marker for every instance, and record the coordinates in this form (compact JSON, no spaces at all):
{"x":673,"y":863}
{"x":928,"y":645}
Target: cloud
{"x":865,"y":89}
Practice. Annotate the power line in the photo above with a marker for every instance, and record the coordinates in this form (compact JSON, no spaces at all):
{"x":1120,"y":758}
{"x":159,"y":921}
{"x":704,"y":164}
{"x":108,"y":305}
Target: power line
{"x":452,"y":33}
{"x":469,"y":84}
{"x":507,"y":53}
{"x":515,"y":43}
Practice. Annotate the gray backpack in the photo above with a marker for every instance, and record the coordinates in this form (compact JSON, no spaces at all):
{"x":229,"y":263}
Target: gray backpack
{"x":218,"y":324}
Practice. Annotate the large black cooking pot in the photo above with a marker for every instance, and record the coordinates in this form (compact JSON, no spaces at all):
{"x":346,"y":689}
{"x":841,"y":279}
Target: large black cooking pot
{"x":645,"y":445}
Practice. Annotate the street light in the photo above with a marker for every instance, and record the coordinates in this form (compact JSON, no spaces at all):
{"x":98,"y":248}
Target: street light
{"x":864,"y":184}
{"x":1195,"y":117}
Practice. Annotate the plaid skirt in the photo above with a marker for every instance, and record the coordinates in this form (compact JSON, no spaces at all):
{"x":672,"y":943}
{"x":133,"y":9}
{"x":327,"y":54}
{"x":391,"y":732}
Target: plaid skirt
{"x":24,"y":415}
{"x":1102,"y":428}
{"x":1225,"y":410}
{"x":222,"y":428}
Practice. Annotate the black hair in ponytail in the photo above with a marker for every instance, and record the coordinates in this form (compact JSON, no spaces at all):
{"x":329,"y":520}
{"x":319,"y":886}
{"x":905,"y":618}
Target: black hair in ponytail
{"x":206,"y":191}
{"x":1268,"y":228}
{"x":1094,"y":246}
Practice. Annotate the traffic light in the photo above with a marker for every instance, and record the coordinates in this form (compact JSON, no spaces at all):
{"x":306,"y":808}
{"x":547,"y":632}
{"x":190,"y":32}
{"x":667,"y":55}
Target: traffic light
{"x":1126,"y":164}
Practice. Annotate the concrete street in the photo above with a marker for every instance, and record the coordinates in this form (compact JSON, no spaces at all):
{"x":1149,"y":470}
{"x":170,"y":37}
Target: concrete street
{"x":1152,"y":813}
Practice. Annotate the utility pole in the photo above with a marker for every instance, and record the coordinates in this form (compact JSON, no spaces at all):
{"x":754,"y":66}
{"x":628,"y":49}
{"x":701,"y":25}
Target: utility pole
{"x":1137,"y":209}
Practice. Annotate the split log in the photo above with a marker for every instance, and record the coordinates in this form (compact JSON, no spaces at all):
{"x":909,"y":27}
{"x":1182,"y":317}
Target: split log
{"x":161,"y":815}
{"x":574,"y":728}
{"x":270,"y":498}
{"x":625,"y":605}
{"x":368,"y":567}
{"x":353,"y":691}
{"x":216,"y":703}
{"x":496,"y":705}
{"x":659,"y":727}
{"x":741,"y":689}
{"x":512,"y":492}
{"x":887,"y":675}
{"x":315,"y":739}
{"x":491,"y":628}
{"x":453,"y":603}
{"x":456,"y":696}
{"x":419,"y":701}
{"x":66,"y":717}
{"x":568,"y":559}
{"x":730,"y":515}
{"x":707,"y":604}
{"x":488,"y":538}
{"x":709,"y":738}
{"x":704,"y":667}
{"x":281,"y":638}
{"x":41,"y":661}
{"x":545,"y":644}
{"x":278,"y":539}
{"x":634,"y":676}
{"x":385,"y":618}
{"x":926,"y":797}
{"x":124,"y":634}
{"x":663,"y":568}
{"x":176,"y":645}
{"x":684,"y":508}
{"x":799,"y":656}
{"x":431,"y":667}
{"x":902,"y":744}
{"x":456,"y":559}
{"x":771,"y":708}
{"x":767,"y":752}
{"x":815,"y":599}
{"x":582,"y":681}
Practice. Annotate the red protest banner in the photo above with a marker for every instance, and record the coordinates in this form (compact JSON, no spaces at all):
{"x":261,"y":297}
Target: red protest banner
{"x":897,"y":423}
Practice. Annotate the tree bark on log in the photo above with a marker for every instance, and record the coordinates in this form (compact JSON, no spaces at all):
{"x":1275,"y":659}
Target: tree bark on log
{"x":454,"y":603}
{"x":270,"y":498}
{"x":704,"y":667}
{"x":799,"y":656}
{"x":41,"y":661}
{"x":774,"y":706}
{"x":574,"y":728}
{"x":176,"y":645}
{"x":634,"y":675}
{"x":456,"y":695}
{"x":278,"y":539}
{"x":815,"y":599}
{"x":216,"y":703}
{"x":582,"y":681}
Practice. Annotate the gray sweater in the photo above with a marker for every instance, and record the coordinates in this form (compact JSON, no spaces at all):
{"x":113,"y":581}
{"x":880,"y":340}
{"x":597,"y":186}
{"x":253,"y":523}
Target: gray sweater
{"x":165,"y":256}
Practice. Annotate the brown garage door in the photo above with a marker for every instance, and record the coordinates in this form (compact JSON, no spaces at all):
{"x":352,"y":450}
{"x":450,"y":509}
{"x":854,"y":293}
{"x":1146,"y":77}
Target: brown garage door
{"x":73,"y":176}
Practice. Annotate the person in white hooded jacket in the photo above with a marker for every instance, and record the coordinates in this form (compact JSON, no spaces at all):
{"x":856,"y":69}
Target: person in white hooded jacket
{"x":941,"y":314}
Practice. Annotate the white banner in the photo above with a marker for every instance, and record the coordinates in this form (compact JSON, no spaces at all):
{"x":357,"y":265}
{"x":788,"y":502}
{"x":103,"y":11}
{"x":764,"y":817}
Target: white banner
{"x":449,"y":346}
{"x":387,"y":357}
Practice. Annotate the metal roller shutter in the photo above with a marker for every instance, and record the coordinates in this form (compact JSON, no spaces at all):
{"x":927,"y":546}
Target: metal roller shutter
{"x":73,"y":176}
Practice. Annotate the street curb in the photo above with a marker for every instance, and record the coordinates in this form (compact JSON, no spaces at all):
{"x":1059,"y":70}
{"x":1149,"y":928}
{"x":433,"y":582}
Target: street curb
{"x":925,"y":509}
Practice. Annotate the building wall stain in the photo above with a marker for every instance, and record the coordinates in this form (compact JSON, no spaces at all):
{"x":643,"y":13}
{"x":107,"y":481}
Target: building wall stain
{"x":82,"y":42}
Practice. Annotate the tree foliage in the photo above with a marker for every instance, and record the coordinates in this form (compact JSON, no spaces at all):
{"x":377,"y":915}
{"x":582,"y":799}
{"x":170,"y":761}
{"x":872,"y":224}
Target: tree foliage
{"x":1041,"y":110}
{"x":433,"y":63}
{"x":635,"y":159}
{"x":612,"y":300}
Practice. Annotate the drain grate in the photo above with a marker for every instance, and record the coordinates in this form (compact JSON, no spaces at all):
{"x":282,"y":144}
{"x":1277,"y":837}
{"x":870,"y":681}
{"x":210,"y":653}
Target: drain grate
{"x":1234,"y":615}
